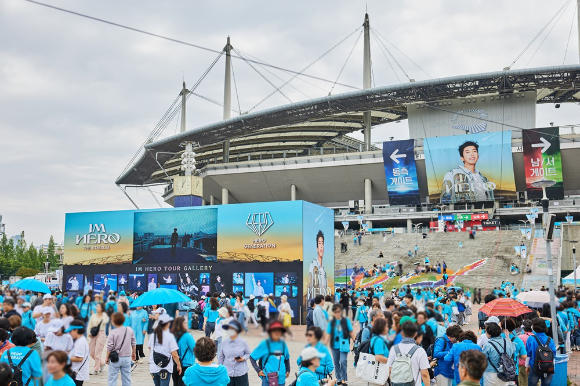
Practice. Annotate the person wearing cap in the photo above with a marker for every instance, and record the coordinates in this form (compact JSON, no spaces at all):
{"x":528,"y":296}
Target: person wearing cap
{"x":483,"y":338}
{"x":79,"y":355}
{"x":56,"y":339}
{"x":38,"y":312}
{"x":205,"y":372}
{"x":272,"y":355}
{"x":307,"y":376}
{"x":225,"y":316}
{"x":41,"y":328}
{"x":313,"y":336}
{"x":163,"y":342}
{"x":27,"y":319}
{"x":234,"y":353}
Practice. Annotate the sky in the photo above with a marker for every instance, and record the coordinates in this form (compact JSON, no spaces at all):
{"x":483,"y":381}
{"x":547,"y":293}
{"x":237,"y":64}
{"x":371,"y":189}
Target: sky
{"x":79,"y":97}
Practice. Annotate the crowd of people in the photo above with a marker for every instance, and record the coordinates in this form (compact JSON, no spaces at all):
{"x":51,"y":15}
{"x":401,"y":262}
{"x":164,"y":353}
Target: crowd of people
{"x":49,"y":338}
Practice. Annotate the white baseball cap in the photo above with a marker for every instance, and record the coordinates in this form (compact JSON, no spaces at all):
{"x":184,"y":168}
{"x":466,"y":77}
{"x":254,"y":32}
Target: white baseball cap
{"x":252,"y":297}
{"x":47,"y":296}
{"x":47,"y":310}
{"x":163,"y":318}
{"x":222,"y":295}
{"x":55,"y":325}
{"x":310,"y":353}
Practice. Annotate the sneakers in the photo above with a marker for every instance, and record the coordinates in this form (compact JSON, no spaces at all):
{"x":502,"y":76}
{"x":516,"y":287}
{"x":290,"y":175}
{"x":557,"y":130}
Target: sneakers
{"x":93,"y":372}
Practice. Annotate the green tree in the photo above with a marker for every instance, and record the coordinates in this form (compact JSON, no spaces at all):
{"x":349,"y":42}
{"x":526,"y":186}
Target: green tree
{"x":8,"y":263}
{"x":26,"y":272}
{"x":52,"y":256}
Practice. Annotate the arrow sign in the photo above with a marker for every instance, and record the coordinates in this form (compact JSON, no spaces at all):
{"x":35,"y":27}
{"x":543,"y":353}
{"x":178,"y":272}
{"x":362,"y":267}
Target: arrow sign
{"x":545,"y":145}
{"x":395,"y":157}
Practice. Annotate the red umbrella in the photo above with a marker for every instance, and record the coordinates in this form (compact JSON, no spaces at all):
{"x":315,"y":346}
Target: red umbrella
{"x":505,"y":307}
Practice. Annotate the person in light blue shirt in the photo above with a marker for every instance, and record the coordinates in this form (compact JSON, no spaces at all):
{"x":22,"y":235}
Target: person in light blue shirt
{"x":362,"y":314}
{"x":139,"y":320}
{"x":307,"y":375}
{"x":23,"y":356}
{"x":186,"y":345}
{"x":58,"y":365}
{"x":366,"y":333}
{"x":272,"y":355}
{"x":378,"y":345}
{"x":313,"y":336}
{"x":318,"y":315}
{"x":495,"y":346}
{"x":27,"y":319}
{"x":339,"y":333}
{"x":210,"y":314}
{"x":467,"y":341}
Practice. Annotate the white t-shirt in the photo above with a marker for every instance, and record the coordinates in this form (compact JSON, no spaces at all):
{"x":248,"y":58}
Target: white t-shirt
{"x":62,"y":343}
{"x":41,"y":329}
{"x":169,"y":345}
{"x":81,"y":350}
{"x":39,"y":309}
{"x":66,"y":321}
{"x":419,"y":360}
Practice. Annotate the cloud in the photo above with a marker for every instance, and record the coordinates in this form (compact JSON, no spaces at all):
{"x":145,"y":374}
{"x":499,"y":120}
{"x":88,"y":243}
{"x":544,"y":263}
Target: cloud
{"x":79,"y":97}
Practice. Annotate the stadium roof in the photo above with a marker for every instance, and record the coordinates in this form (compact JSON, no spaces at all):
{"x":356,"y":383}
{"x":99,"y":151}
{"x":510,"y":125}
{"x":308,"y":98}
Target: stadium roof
{"x":309,"y":127}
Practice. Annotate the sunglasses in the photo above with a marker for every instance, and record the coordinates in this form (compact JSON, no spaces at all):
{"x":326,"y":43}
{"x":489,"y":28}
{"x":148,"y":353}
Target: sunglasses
{"x":309,"y":334}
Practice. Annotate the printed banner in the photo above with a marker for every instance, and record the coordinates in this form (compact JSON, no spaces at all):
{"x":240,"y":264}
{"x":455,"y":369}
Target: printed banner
{"x":401,"y":172}
{"x":470,"y":168}
{"x":490,"y":223}
{"x":543,"y":160}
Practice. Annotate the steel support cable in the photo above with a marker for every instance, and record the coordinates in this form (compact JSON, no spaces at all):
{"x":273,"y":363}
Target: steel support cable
{"x":236,"y":88}
{"x":402,"y":53}
{"x":393,"y":57}
{"x":283,"y":80}
{"x":148,"y":138}
{"x":388,"y":61}
{"x":539,"y":33}
{"x":169,"y":115}
{"x":307,"y":67}
{"x":213,"y":101}
{"x":570,"y":33}
{"x":345,"y":62}
{"x":545,"y":37}
{"x":176,"y":40}
{"x":262,"y":75}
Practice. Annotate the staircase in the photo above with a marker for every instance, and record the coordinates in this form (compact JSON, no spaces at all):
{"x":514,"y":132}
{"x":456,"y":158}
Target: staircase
{"x":537,"y":260}
{"x":497,"y":247}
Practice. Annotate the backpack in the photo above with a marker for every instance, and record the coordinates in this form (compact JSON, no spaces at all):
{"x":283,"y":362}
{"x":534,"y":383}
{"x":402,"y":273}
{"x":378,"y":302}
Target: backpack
{"x":363,"y":347}
{"x":506,"y":368}
{"x":431,"y":349}
{"x":294,"y":382}
{"x":481,"y":316}
{"x":198,"y":309}
{"x":544,"y":360}
{"x":358,"y":337}
{"x":109,"y":310}
{"x":17,"y":369}
{"x":402,"y":369}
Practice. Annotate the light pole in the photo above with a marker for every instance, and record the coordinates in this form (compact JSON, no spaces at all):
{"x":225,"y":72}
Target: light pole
{"x":573,"y":242}
{"x":417,"y":238}
{"x":545,"y":208}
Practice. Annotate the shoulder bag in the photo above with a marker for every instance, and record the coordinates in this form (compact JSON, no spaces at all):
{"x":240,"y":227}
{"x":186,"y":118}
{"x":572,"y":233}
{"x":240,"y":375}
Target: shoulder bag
{"x":95,"y":330}
{"x":114,"y":355}
{"x":161,"y":360}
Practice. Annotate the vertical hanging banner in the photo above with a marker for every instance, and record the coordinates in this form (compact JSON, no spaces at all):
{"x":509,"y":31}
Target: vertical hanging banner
{"x":401,"y":172}
{"x":543,"y":160}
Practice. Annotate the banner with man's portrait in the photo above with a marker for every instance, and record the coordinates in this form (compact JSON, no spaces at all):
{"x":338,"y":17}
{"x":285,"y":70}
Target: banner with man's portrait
{"x":470,"y":168}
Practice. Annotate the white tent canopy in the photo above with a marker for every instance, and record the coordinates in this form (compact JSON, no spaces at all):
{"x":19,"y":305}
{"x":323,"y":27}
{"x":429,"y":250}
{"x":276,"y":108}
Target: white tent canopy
{"x":570,"y":278}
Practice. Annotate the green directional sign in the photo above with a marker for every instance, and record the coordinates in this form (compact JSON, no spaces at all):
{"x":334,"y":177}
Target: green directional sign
{"x":464,"y":217}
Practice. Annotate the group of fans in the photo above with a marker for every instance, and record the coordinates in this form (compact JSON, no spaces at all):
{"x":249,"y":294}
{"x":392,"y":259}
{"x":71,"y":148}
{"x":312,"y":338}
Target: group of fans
{"x":415,"y":336}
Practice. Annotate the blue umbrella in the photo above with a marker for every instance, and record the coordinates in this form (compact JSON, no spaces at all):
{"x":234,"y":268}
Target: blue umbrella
{"x":32,"y":285}
{"x":160,"y":296}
